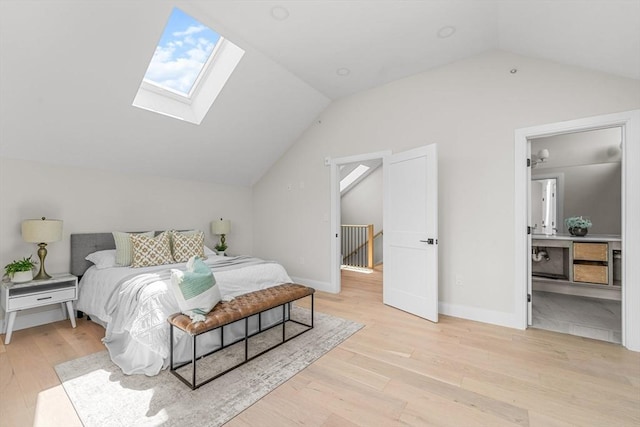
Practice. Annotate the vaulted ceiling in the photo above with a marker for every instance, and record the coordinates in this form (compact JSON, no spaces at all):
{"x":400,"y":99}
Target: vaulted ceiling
{"x":69,"y":70}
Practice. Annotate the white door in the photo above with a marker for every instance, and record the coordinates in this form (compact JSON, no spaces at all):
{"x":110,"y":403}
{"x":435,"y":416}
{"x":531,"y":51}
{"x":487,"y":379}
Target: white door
{"x":411,"y":231}
{"x":530,"y":217}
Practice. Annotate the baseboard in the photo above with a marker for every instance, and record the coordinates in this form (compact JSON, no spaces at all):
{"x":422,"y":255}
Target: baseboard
{"x":498,"y":318}
{"x":315,"y":284}
{"x":30,"y":318}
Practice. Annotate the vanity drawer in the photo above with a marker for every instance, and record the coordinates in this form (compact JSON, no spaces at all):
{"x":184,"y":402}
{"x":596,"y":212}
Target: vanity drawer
{"x":587,"y":273}
{"x":591,"y":251}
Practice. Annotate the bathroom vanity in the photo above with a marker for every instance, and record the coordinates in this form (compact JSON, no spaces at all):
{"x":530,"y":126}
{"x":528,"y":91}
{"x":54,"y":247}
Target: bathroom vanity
{"x":587,"y":266}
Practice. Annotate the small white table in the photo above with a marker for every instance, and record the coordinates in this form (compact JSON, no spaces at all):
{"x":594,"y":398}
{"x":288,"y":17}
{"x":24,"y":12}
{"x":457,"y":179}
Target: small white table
{"x":61,"y":288}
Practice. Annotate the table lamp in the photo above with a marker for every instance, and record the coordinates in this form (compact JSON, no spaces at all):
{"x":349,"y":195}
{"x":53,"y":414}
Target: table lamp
{"x":221,"y":227}
{"x":42,"y":231}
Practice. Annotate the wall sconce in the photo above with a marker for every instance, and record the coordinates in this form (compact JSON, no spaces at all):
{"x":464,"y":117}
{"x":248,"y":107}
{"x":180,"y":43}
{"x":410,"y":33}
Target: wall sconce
{"x":542,"y":157}
{"x":221,"y":227}
{"x":42,"y":231}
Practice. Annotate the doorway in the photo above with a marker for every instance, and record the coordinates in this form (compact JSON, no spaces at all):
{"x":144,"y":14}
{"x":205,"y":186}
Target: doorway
{"x":336,"y":219}
{"x":577,"y":175}
{"x":410,"y":199}
{"x":361,"y":196}
{"x":629,"y":122}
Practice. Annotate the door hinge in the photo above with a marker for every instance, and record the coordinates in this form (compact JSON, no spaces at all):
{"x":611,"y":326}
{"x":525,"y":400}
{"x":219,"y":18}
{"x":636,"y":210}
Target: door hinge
{"x":528,"y":163}
{"x":528,"y":297}
{"x":528,"y":229}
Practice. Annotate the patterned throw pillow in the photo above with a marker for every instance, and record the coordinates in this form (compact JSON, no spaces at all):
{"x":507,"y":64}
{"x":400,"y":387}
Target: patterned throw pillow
{"x":186,"y":245}
{"x":124,"y":248}
{"x":195,"y":289}
{"x":149,"y":251}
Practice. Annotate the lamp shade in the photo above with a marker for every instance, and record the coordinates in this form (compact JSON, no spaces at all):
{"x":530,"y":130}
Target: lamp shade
{"x":221,"y":226}
{"x":41,"y":230}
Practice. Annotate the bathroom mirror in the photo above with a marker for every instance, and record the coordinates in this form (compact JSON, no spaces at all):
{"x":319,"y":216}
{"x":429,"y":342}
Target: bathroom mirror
{"x":544,"y":205}
{"x":587,"y":170}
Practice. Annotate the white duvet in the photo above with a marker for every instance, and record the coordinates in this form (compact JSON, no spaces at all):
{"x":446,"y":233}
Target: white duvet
{"x":134,"y":303}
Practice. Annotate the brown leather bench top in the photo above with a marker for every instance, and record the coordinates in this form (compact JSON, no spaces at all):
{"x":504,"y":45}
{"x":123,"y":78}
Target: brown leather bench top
{"x":242,"y":306}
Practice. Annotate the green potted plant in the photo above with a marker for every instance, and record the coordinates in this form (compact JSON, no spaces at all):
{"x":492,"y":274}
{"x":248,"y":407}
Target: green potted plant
{"x":577,"y":225}
{"x":220,"y":248}
{"x":20,"y":271}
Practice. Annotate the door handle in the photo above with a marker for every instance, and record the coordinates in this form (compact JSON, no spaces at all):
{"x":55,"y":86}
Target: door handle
{"x":429,"y":241}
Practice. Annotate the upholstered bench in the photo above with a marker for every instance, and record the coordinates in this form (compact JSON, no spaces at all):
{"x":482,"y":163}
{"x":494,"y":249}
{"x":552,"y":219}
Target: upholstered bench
{"x":240,"y":308}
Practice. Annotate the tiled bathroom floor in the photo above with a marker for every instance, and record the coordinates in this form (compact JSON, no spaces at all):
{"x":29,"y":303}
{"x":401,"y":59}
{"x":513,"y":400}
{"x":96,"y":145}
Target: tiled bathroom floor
{"x":586,"y":317}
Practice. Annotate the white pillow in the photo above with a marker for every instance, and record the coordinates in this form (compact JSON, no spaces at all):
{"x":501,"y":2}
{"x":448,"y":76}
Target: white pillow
{"x":103,"y":259}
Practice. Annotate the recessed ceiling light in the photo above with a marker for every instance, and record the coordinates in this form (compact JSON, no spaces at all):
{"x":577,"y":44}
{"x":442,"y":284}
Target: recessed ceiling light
{"x":446,"y":31}
{"x":343,"y":72}
{"x":513,"y":70}
{"x":279,"y":13}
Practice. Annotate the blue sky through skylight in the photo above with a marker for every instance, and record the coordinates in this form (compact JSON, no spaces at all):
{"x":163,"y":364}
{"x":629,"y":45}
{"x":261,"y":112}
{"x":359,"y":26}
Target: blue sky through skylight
{"x":183,"y":50}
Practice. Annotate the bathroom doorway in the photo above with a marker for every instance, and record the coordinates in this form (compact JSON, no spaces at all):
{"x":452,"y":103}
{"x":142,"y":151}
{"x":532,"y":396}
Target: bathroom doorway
{"x":629,"y":121}
{"x":576,"y":280}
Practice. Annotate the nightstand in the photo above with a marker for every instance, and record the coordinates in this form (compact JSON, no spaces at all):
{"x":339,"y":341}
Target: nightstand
{"x":61,"y":288}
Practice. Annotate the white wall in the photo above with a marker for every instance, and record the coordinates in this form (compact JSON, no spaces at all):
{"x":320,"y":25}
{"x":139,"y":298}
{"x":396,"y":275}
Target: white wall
{"x":89,"y":200}
{"x":471,"y":109}
{"x":363,"y":203}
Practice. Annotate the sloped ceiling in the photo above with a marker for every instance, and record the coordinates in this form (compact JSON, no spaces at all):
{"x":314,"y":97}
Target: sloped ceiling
{"x":69,"y":70}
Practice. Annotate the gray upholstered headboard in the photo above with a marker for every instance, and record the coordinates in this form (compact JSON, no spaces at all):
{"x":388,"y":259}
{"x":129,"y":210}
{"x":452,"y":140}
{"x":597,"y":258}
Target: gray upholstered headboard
{"x":84,"y":244}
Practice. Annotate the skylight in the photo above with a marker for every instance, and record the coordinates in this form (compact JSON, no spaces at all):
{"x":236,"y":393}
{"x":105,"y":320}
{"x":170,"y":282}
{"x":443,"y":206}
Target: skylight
{"x":353,"y":176}
{"x":191,"y":64}
{"x":182,"y":53}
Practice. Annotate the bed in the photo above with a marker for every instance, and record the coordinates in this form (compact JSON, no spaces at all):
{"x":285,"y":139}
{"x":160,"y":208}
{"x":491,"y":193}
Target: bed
{"x":133,"y":304}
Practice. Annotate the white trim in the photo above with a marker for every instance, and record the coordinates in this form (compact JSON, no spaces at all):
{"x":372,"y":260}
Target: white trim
{"x":629,"y":121}
{"x":315,"y":284}
{"x":478,"y":314}
{"x":175,"y":95}
{"x":334,"y":164}
{"x":193,"y":109}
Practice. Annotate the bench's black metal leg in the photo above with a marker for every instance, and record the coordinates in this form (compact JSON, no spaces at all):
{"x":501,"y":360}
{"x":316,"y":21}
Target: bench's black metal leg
{"x":193,"y":360}
{"x":284,"y":306}
{"x":170,"y":347}
{"x":246,"y":338}
{"x":312,"y":310}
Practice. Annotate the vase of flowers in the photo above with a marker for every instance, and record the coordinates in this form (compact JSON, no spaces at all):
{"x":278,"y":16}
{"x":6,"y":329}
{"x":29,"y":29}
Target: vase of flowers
{"x":577,"y":225}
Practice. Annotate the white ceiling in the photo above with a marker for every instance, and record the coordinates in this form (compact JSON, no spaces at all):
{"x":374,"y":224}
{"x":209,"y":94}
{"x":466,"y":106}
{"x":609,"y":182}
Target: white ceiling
{"x":69,"y":70}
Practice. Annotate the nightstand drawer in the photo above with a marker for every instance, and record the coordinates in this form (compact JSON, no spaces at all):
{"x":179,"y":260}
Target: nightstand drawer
{"x":38,"y":299}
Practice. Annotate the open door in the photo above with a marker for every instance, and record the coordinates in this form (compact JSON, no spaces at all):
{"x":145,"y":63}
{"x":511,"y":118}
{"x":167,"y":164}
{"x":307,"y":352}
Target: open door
{"x":529,"y":231}
{"x":411,"y":231}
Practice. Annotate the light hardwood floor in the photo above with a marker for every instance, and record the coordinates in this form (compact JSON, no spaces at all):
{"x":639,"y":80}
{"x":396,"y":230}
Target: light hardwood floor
{"x":397,"y":370}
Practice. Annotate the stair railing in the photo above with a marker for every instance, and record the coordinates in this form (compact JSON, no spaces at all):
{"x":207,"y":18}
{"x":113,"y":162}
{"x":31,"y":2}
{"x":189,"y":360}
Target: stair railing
{"x":357,"y":244}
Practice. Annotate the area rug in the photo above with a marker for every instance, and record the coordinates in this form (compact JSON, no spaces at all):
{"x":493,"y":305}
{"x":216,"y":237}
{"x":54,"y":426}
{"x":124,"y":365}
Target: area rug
{"x":103,"y":396}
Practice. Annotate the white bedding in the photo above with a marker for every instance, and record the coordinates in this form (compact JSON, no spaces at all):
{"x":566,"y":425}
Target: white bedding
{"x":134,"y":304}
